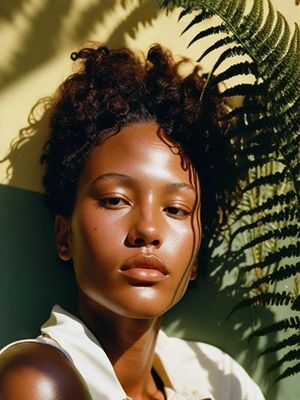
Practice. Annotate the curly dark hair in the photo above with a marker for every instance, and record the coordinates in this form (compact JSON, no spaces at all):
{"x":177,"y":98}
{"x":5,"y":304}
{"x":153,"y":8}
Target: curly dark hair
{"x":114,"y":88}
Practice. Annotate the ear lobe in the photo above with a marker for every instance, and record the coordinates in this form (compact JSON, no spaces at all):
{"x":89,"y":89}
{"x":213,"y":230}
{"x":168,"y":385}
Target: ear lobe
{"x":194,"y":272}
{"x":62,"y":230}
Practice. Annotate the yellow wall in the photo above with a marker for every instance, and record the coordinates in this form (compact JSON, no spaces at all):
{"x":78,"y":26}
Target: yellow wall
{"x":37,"y":37}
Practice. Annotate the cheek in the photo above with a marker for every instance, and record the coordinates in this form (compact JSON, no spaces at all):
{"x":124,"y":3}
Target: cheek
{"x":93,"y":245}
{"x":95,"y":231}
{"x":186,"y":260}
{"x":187,"y":243}
{"x":180,"y":242}
{"x":196,"y":228}
{"x":185,"y":240}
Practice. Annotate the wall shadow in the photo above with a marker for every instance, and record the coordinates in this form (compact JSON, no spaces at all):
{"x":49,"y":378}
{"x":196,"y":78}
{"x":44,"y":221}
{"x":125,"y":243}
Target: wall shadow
{"x":23,"y":158}
{"x":33,"y":279}
{"x":202,"y":314}
{"x":40,"y":42}
{"x":43,"y":40}
{"x":39,"y":46}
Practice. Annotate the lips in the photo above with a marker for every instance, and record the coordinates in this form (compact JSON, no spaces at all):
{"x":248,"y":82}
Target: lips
{"x":144,"y":268}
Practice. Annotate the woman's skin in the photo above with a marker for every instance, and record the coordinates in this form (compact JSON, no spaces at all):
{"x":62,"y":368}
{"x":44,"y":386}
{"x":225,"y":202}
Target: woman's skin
{"x":33,"y":371}
{"x":133,"y":238}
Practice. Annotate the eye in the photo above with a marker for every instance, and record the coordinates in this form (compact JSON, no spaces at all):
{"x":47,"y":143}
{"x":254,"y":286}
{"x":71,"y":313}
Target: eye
{"x":177,"y":211}
{"x":113,"y":202}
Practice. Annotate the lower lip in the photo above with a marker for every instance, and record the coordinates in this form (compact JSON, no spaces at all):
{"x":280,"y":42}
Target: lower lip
{"x":146,"y":275}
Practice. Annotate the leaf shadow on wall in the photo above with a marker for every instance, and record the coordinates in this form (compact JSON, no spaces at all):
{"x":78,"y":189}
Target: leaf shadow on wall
{"x":35,"y":280}
{"x":203,"y":312}
{"x":39,"y":46}
{"x":42,"y":41}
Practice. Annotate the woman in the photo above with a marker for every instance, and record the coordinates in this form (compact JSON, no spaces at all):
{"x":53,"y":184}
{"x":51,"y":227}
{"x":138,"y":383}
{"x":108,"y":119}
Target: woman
{"x":135,"y":168}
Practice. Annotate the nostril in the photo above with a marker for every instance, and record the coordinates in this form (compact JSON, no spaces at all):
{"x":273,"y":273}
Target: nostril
{"x":139,"y":241}
{"x":136,"y":239}
{"x":155,"y":242}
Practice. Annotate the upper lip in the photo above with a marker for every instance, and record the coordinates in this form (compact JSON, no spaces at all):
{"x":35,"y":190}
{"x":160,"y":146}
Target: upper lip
{"x":147,"y":261}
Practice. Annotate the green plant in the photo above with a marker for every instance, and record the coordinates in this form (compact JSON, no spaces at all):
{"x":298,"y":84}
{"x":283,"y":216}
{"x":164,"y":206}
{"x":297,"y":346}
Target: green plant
{"x":258,"y":47}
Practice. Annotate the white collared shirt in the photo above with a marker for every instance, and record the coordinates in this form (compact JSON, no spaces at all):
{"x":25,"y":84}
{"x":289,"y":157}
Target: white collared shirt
{"x":189,"y":370}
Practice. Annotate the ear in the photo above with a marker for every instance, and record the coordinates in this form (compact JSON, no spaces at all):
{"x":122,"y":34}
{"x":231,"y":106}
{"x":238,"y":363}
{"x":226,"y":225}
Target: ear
{"x":62,"y":230}
{"x":194,"y":272}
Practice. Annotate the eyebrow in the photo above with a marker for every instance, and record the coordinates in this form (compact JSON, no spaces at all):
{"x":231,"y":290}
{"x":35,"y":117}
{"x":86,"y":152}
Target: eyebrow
{"x":128,"y":180}
{"x":180,"y":185}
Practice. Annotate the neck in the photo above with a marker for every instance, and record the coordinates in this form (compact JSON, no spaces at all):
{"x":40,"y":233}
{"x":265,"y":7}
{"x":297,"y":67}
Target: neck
{"x":129,"y":344}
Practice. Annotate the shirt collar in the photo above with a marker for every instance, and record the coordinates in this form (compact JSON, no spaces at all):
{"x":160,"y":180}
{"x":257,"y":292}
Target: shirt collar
{"x":73,"y":336}
{"x":171,"y":364}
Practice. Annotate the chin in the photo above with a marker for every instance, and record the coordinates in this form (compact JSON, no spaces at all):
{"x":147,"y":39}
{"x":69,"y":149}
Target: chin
{"x":139,"y":302}
{"x":147,"y":304}
{"x":142,"y":314}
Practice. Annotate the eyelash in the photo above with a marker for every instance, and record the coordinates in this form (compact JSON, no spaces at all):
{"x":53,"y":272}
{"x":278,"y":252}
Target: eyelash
{"x":113,"y":203}
{"x":104,"y":202}
{"x":183,"y":213}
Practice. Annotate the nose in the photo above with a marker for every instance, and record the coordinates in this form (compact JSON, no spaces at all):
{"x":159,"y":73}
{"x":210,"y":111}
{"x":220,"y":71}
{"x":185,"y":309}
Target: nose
{"x":145,"y":230}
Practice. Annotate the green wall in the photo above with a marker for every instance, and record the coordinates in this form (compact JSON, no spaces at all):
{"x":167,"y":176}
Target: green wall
{"x":32,"y":280}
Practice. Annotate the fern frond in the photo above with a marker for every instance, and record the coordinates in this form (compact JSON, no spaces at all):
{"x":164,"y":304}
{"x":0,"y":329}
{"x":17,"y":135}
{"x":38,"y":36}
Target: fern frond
{"x":252,"y":21}
{"x":258,"y":144}
{"x":289,"y":149}
{"x":277,"y":52}
{"x":255,"y":163}
{"x":202,"y":16}
{"x":243,"y":89}
{"x":289,"y":93}
{"x":280,"y":274}
{"x":290,"y":231}
{"x":289,"y":115}
{"x":265,"y":127}
{"x":296,"y":304}
{"x":266,"y":30}
{"x":287,"y":102}
{"x":280,"y":216}
{"x":291,"y":250}
{"x":284,"y":71}
{"x":292,"y":355}
{"x":228,"y":53}
{"x":243,"y":68}
{"x":267,"y":123}
{"x":289,"y":372}
{"x":262,"y":47}
{"x":268,"y":47}
{"x":278,"y":299}
{"x":290,"y":341}
{"x":183,"y":13}
{"x":271,"y":179}
{"x":288,"y":323}
{"x":296,"y":170}
{"x":214,"y":30}
{"x":253,"y":109}
{"x":230,"y":8}
{"x":292,"y":155}
{"x":236,"y":10}
{"x":217,"y":45}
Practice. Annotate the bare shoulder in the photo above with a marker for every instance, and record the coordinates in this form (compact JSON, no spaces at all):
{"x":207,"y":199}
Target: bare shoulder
{"x":39,"y":372}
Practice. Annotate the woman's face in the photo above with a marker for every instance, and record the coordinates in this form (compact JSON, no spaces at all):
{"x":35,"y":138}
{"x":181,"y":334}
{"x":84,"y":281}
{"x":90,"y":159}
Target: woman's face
{"x":135,"y":232}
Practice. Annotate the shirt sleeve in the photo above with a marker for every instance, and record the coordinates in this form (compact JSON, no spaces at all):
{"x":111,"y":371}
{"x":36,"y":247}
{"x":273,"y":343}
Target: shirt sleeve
{"x":226,"y":378}
{"x":241,"y":382}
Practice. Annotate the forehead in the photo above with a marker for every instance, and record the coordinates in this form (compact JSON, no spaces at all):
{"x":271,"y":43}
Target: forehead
{"x":140,"y":150}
